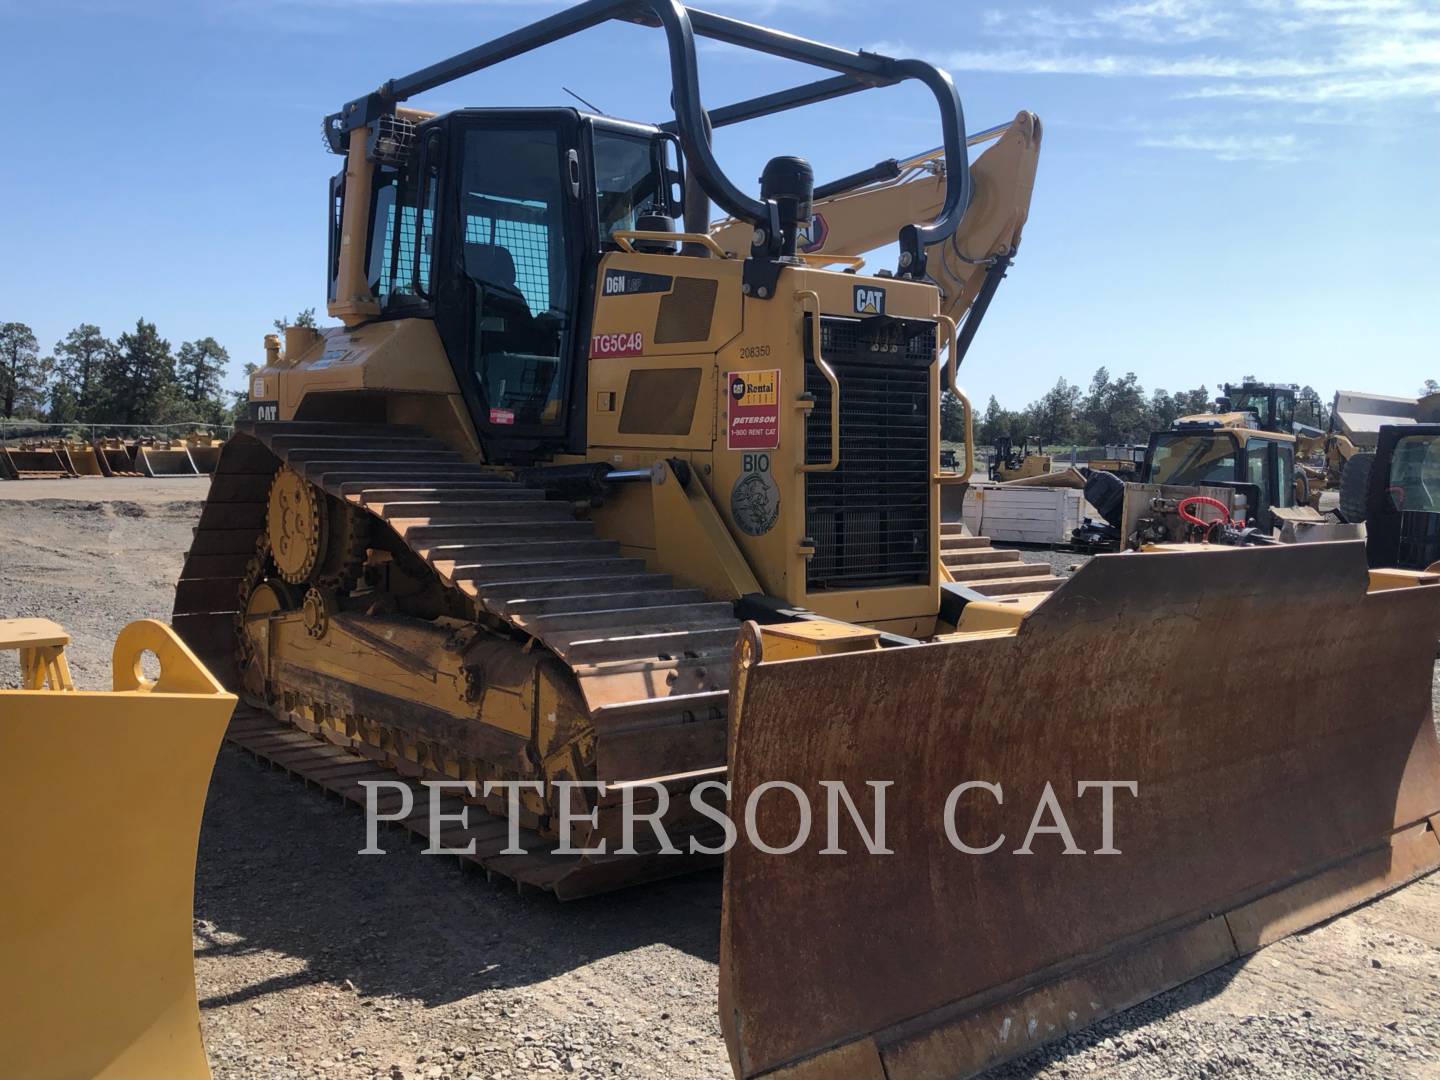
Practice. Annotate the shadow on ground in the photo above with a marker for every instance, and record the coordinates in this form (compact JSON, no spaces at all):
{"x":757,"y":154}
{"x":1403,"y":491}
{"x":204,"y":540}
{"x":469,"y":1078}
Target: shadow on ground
{"x":278,"y":870}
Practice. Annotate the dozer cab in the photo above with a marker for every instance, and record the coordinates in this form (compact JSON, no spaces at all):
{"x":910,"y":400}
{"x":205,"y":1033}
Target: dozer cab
{"x":573,"y":495}
{"x":1232,"y":467}
{"x":1403,"y":504}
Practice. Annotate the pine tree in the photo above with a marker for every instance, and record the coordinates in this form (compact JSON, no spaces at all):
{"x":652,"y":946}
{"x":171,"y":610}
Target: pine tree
{"x":199,"y":367}
{"x":78,"y":362}
{"x":952,"y":418}
{"x":23,"y":375}
{"x":139,"y":375}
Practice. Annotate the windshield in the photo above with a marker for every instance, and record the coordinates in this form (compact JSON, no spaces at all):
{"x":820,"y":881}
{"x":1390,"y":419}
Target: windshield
{"x":627,"y":181}
{"x":1193,"y":459}
{"x":1414,"y":482}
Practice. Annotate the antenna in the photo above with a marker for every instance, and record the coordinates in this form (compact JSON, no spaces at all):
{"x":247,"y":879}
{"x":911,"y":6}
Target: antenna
{"x":592,"y":107}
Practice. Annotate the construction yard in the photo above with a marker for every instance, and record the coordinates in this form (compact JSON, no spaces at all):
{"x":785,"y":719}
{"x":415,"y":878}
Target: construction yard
{"x":313,"y":961}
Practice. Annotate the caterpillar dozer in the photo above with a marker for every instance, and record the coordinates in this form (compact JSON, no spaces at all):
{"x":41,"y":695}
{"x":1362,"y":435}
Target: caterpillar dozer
{"x":573,"y":494}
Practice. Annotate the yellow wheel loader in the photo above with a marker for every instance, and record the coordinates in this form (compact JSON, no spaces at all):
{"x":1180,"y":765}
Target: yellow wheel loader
{"x":97,"y":973}
{"x":575,"y":495}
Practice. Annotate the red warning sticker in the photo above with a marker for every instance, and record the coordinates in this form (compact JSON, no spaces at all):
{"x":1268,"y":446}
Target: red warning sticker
{"x":502,"y":416}
{"x":753,"y":410}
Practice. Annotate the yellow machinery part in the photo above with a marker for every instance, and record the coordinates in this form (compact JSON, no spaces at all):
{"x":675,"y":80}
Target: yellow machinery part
{"x":96,"y":963}
{"x":1275,"y":787}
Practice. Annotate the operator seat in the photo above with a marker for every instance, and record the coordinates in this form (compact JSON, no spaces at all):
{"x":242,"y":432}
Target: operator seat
{"x":517,"y":351}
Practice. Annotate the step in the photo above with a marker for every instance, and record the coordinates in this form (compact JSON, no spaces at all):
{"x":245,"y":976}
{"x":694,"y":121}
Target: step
{"x":617,"y":621}
{"x":718,"y":640}
{"x":388,"y":475}
{"x":979,"y":556}
{"x":498,"y":596}
{"x":406,"y":516}
{"x":443,"y":502}
{"x":963,"y":543}
{"x":1016,"y":586}
{"x":513,"y":551}
{"x":992,"y":573}
{"x":283,"y":444}
{"x":359,"y":457}
{"x":430,"y":537}
{"x":510,"y":573}
{"x":390,"y":488}
{"x":268,"y":430}
{"x":529,"y":609}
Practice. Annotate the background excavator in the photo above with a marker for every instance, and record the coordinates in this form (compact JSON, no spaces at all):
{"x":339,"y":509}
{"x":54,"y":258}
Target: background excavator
{"x":572,"y":495}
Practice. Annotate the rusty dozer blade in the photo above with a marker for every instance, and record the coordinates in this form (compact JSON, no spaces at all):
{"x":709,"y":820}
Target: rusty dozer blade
{"x":1282,"y":777}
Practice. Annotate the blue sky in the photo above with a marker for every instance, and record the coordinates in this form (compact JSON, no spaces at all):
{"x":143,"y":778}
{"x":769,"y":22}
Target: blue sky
{"x":1228,"y":187}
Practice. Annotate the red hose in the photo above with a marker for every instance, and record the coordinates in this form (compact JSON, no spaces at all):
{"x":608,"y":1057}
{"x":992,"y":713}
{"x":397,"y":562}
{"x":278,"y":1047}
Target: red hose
{"x":1182,"y":508}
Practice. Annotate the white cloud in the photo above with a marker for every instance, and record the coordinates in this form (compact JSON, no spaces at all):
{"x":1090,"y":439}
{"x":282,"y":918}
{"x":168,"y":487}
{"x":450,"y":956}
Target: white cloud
{"x":1023,"y":61}
{"x":1387,"y":49}
{"x":1273,"y":148}
{"x":1262,"y":66}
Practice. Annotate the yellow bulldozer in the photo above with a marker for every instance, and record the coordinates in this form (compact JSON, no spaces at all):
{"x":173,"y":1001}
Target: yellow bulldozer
{"x":640,"y":515}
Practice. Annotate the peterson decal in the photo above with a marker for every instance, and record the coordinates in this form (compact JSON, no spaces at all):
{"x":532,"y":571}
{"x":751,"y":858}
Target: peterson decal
{"x":625,"y":343}
{"x":752,"y":414}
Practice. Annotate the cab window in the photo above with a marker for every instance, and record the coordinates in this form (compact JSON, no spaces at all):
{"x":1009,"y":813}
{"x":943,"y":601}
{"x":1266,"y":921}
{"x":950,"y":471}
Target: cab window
{"x":1414,"y":481}
{"x":1193,"y":459}
{"x":627,"y":180}
{"x":395,"y":270}
{"x":518,"y":259}
{"x":1257,"y":458}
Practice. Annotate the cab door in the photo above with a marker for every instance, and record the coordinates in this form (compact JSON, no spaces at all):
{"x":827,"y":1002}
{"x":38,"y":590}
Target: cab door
{"x":515,"y":253}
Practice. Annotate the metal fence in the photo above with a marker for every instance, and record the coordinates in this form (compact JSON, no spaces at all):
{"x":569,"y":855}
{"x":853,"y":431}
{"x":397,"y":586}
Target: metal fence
{"x":18,"y":430}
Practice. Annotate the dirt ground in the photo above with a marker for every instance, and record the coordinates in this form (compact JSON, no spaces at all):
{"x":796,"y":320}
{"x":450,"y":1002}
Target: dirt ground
{"x":312,"y":961}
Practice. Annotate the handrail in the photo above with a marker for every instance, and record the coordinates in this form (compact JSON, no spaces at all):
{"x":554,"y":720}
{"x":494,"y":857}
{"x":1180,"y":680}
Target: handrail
{"x":820,"y":258}
{"x":952,"y":375}
{"x":808,"y":297}
{"x":625,"y":238}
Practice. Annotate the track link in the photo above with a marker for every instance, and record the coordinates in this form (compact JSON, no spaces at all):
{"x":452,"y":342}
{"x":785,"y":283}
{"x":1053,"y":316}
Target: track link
{"x":651,"y":660}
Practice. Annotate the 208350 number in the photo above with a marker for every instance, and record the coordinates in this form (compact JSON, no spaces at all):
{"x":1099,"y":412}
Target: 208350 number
{"x":753,"y":352}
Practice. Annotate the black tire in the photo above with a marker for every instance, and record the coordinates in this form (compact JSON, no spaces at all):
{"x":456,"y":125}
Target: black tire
{"x":1355,"y":488}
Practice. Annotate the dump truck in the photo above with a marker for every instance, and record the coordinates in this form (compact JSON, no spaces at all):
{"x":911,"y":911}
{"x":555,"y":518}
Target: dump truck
{"x":574,"y":493}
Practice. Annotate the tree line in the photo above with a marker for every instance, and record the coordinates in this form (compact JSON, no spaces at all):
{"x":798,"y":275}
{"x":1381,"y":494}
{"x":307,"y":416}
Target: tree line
{"x":135,"y":378}
{"x":1113,"y":411}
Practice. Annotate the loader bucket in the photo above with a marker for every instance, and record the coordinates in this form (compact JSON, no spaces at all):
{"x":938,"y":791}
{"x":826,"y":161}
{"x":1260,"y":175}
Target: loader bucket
{"x":1277,"y":785}
{"x":156,"y":461}
{"x":83,"y":460}
{"x":37,"y":464}
{"x":205,"y":457}
{"x":105,"y":793}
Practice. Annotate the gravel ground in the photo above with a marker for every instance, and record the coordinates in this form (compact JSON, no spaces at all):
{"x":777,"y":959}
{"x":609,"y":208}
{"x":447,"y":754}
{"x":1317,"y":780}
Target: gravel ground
{"x":314,"y":962}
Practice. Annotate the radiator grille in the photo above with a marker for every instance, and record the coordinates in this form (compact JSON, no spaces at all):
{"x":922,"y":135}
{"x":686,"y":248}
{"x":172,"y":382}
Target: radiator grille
{"x":870,"y":518}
